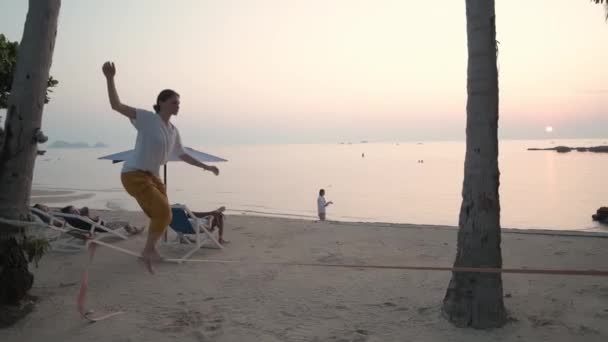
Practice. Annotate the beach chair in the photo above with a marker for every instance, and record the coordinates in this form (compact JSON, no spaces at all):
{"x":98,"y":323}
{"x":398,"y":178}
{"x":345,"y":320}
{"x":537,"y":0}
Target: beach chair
{"x":47,"y":218}
{"x":84,"y":223}
{"x":37,"y":227}
{"x":60,"y":237}
{"x":191,"y":230}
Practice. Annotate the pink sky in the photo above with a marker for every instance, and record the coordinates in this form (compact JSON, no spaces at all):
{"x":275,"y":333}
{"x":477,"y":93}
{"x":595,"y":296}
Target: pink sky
{"x":256,"y":71}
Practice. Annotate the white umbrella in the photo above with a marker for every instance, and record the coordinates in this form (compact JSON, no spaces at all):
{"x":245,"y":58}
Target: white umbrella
{"x":198,"y":155}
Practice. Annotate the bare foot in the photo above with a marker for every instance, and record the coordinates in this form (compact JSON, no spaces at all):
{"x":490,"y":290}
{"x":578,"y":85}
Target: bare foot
{"x":150,"y":256}
{"x":223,"y":242}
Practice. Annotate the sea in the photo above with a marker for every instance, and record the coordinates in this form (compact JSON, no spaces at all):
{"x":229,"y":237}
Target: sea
{"x":389,"y":182}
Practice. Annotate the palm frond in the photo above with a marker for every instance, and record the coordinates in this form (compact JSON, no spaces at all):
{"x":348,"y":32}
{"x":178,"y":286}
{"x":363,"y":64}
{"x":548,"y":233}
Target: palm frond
{"x":605,"y":2}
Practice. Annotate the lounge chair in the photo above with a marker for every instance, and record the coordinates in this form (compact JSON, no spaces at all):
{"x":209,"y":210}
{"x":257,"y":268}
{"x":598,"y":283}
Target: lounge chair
{"x":75,"y":227}
{"x":85,"y":223}
{"x":191,"y":229}
{"x":59,"y":233}
{"x":47,"y":218}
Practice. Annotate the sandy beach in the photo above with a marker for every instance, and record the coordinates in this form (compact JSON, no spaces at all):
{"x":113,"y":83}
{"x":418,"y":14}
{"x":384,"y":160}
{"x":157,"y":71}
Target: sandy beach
{"x":58,"y":196}
{"x":247,"y":112}
{"x":252,"y":301}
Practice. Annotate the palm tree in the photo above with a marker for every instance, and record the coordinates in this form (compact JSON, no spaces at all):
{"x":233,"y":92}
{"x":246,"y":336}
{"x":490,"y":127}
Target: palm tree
{"x":18,"y":143}
{"x":476,"y":299}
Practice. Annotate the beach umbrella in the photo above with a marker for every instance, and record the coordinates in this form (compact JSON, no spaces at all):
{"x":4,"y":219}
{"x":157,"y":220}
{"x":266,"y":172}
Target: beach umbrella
{"x":198,"y":155}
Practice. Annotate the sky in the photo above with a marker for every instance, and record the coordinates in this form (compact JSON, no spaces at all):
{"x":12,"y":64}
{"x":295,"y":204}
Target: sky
{"x":321,"y":71}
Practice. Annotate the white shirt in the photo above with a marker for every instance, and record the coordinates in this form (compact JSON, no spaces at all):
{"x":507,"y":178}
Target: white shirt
{"x":156,"y":141}
{"x":321,"y":204}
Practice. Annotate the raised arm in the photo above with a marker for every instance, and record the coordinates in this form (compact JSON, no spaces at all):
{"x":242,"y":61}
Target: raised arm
{"x":109,"y":70}
{"x":188,"y":159}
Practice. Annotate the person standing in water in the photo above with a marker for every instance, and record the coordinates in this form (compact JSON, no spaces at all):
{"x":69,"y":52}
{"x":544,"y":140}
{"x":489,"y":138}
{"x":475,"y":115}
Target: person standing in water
{"x":157,"y":139}
{"x":322,"y":204}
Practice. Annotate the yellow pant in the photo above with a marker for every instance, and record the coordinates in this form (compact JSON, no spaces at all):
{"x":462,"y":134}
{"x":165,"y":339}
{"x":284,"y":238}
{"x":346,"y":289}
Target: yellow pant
{"x":151,"y":195}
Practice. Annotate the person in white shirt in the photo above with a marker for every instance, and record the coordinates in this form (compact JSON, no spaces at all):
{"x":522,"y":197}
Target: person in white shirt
{"x":322,"y":204}
{"x":156,"y":140}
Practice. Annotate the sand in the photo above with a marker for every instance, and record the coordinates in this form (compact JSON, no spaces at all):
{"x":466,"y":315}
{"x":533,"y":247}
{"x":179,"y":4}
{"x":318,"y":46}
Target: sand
{"x":58,"y":196}
{"x":251,"y":301}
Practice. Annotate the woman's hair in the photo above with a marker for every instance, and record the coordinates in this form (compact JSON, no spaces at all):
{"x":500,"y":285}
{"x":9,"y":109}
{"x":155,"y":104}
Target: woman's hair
{"x":68,"y":209}
{"x":164,"y":96}
{"x":42,"y":207}
{"x":84,"y":211}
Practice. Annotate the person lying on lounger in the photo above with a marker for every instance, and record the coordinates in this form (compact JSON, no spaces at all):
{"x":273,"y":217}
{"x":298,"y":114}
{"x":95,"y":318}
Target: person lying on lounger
{"x":85,"y":212}
{"x":81,"y":224}
{"x":47,"y":218}
{"x":218,"y":221}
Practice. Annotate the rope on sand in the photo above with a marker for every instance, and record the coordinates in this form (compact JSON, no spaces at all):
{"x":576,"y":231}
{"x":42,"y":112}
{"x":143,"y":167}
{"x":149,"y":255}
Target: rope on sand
{"x":88,"y":314}
{"x":92,"y":247}
{"x":590,"y":272}
{"x":82,"y":294}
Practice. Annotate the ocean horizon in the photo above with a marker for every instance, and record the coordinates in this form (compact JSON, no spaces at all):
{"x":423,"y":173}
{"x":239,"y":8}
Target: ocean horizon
{"x":398,"y":182}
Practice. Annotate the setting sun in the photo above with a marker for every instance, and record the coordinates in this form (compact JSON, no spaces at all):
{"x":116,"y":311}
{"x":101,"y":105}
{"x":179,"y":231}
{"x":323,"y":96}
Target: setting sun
{"x":549,"y":129}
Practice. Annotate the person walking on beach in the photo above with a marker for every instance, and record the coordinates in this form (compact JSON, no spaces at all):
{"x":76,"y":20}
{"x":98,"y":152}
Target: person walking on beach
{"x":157,"y":139}
{"x":322,"y":204}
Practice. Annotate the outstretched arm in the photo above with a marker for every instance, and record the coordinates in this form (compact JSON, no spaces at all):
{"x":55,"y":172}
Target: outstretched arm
{"x":109,"y":70}
{"x":188,"y":159}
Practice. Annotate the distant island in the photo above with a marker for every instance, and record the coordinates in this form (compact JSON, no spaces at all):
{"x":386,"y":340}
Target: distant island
{"x":65,"y":144}
{"x":565,"y":149}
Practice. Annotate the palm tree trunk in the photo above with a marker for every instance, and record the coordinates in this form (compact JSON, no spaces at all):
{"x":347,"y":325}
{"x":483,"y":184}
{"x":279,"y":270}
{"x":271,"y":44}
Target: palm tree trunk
{"x":476,"y":299}
{"x":18,"y":143}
